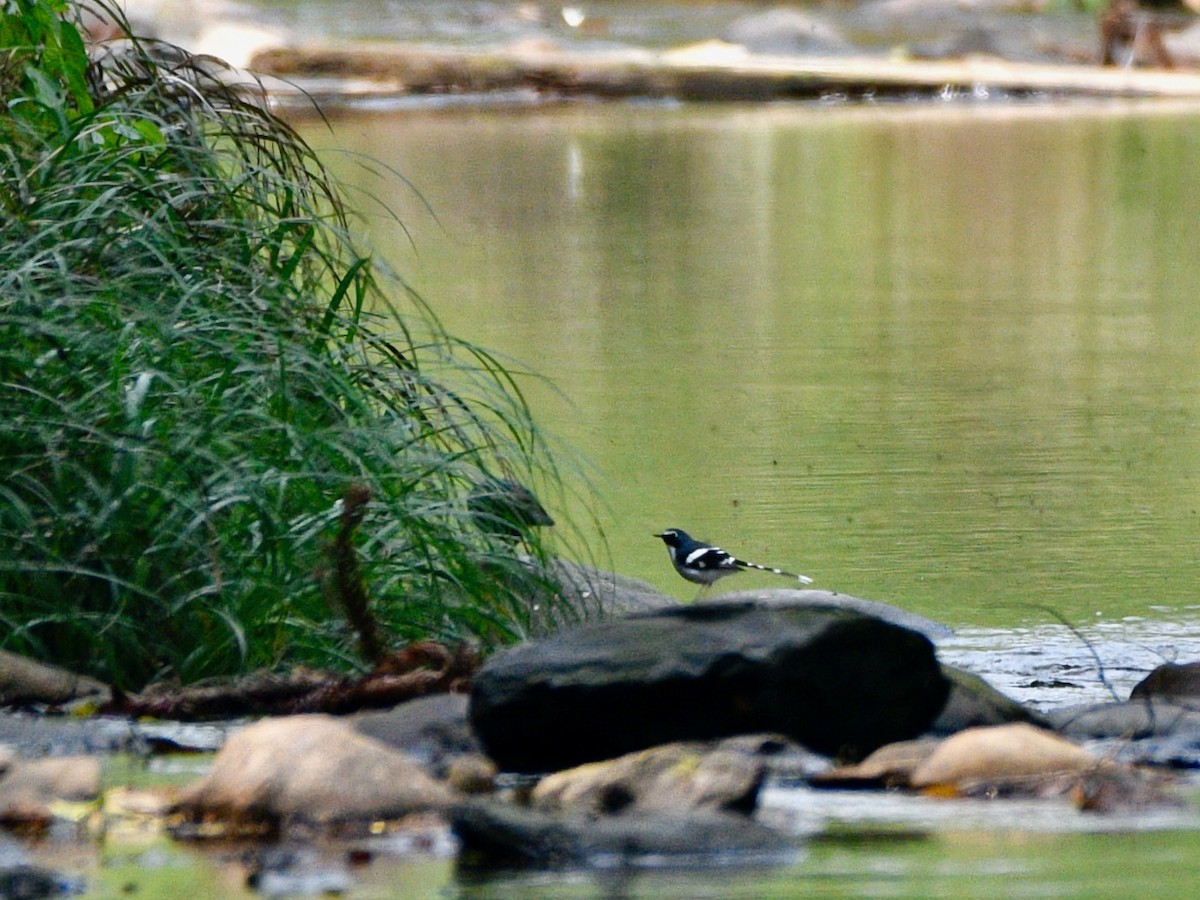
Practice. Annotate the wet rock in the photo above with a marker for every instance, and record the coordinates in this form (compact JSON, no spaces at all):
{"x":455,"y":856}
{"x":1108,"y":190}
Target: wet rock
{"x":1000,"y":754}
{"x":26,"y":681}
{"x":600,"y":594}
{"x":779,"y":597}
{"x":976,"y":39}
{"x":1146,"y":732}
{"x":1132,"y":720}
{"x":182,"y":737}
{"x":1177,"y":684}
{"x":494,"y":834}
{"x":784,"y":759}
{"x":973,"y":703}
{"x":836,"y":681}
{"x":675,"y":777}
{"x":29,"y":882}
{"x":30,"y":787}
{"x":433,"y":729}
{"x":314,"y":769}
{"x":1176,"y":751}
{"x":294,"y":871}
{"x":937,"y":29}
{"x":890,"y":766}
{"x":1158,"y":725}
{"x":32,"y":735}
{"x":580,"y":593}
{"x":21,"y":879}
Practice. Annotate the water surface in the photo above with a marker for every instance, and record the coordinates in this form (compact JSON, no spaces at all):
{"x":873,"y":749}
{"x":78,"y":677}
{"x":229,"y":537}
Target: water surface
{"x":940,"y":356}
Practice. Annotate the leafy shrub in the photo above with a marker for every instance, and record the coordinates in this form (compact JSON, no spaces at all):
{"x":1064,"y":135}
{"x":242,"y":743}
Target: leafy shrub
{"x":196,"y":365}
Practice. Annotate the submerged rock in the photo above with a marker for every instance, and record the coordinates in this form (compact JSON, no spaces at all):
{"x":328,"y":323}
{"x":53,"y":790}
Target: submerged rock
{"x":30,"y":788}
{"x":30,"y":882}
{"x":1144,"y":731}
{"x":495,"y":834}
{"x":836,"y":681}
{"x":294,"y":871}
{"x":1131,"y":720}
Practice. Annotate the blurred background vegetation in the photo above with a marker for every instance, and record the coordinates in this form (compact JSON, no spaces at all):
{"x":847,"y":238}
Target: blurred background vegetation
{"x":198,"y":365}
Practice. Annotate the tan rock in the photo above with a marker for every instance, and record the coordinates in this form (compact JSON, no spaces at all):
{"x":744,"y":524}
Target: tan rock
{"x":29,"y":788}
{"x":891,"y":765}
{"x":1004,"y":752}
{"x":314,"y":768}
{"x":679,"y":776}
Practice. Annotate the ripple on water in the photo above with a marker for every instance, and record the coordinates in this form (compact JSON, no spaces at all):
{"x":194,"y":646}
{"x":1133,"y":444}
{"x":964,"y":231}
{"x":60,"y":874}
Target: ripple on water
{"x":1050,"y":666}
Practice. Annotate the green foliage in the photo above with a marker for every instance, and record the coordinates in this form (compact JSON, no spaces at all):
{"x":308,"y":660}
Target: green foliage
{"x":196,"y":365}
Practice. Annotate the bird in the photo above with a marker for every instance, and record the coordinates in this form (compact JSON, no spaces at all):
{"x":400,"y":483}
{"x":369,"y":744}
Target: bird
{"x":506,"y":509}
{"x":702,"y":563}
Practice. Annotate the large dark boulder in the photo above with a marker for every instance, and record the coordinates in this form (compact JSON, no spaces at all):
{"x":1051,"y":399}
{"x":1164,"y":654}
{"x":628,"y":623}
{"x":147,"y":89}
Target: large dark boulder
{"x":837,"y":681}
{"x":935,"y":631}
{"x":973,"y":703}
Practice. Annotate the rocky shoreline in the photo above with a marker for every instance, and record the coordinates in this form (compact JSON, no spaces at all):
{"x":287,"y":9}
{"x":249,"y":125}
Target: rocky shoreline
{"x":640,"y":736}
{"x":872,"y":50}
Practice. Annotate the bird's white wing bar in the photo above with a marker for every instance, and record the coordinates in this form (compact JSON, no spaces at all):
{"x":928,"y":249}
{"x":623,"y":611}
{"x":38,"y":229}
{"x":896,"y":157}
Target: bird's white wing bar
{"x":709,"y":558}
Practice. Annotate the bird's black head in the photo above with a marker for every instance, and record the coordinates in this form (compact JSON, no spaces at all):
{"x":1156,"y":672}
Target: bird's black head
{"x":673,"y":537}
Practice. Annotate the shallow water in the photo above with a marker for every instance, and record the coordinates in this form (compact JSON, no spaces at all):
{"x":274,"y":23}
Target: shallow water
{"x":942,"y":356}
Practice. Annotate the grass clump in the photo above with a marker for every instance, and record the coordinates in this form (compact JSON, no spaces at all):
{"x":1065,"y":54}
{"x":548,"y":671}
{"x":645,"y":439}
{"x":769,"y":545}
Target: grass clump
{"x":197,"y":366}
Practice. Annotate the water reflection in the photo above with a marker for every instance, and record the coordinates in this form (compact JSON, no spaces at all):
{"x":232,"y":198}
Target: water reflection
{"x":943,"y":358}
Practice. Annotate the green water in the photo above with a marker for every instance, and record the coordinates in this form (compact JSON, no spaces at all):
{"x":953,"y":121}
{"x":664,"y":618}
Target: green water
{"x":843,"y":863}
{"x":940,"y":356}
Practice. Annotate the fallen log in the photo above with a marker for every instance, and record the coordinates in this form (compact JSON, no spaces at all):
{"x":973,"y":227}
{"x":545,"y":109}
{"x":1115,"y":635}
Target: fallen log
{"x":710,"y":71}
